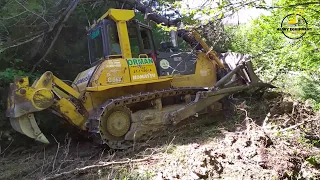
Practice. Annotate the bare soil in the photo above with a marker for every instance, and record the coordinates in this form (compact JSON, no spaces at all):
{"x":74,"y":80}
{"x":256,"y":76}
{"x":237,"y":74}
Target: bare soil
{"x":269,"y":136}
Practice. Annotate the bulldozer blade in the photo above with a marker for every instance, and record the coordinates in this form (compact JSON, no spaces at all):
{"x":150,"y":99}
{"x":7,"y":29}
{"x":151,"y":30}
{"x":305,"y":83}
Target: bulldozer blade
{"x":23,"y":99}
{"x":27,"y":125}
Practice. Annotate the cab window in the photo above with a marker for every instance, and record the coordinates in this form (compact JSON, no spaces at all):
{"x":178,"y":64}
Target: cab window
{"x":114,"y":44}
{"x":145,"y":40}
{"x":95,"y":44}
{"x":134,"y":40}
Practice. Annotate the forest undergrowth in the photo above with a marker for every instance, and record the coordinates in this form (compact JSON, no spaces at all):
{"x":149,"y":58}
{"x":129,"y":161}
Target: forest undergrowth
{"x":265,"y":136}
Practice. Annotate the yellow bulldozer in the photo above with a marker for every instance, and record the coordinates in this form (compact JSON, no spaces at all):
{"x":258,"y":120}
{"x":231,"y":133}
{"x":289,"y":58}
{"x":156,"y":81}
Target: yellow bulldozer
{"x":132,"y":90}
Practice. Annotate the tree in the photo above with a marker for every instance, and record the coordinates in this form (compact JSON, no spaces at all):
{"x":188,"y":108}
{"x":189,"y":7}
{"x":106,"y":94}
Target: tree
{"x":262,"y":38}
{"x":278,"y":55}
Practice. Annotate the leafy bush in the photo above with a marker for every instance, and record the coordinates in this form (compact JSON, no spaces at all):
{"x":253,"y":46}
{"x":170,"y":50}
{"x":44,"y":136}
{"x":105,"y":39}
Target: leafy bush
{"x":10,"y":74}
{"x":310,"y":90}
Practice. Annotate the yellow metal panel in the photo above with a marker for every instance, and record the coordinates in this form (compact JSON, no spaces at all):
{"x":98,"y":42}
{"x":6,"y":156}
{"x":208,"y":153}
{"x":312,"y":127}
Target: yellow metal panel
{"x":205,"y":71}
{"x":124,"y":39}
{"x":45,"y":81}
{"x":117,"y":15}
{"x":60,"y":93}
{"x":115,"y":71}
{"x":142,"y":69}
{"x":66,"y":87}
{"x":184,"y":81}
{"x":97,"y":96}
{"x":121,"y":14}
{"x":69,"y":111}
{"x":22,"y":82}
{"x":125,"y":72}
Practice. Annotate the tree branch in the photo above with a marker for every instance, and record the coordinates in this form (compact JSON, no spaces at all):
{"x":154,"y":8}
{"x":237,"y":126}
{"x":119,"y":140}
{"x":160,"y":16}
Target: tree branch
{"x":7,"y":18}
{"x":32,"y":12}
{"x":73,"y":6}
{"x":21,"y":43}
{"x":60,"y":17}
{"x":304,"y":4}
{"x":294,"y":126}
{"x":291,"y":5}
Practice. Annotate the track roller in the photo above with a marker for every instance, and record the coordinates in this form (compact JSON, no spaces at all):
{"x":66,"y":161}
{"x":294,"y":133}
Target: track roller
{"x":115,"y":123}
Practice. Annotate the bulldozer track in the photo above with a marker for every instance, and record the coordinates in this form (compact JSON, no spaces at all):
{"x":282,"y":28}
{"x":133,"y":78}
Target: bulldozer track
{"x":93,"y":121}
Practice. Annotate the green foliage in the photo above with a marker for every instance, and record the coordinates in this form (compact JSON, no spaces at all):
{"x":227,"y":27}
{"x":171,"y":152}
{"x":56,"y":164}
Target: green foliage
{"x":159,"y":32}
{"x":314,"y":160}
{"x":9,"y":74}
{"x":310,"y":90}
{"x":279,"y":55}
{"x":271,"y":48}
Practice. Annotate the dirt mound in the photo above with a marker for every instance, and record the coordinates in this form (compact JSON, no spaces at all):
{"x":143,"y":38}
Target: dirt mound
{"x":249,"y":154}
{"x":286,"y":114}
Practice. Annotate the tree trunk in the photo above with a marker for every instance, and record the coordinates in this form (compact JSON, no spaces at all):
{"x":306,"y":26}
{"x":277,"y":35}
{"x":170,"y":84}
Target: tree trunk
{"x":159,"y":19}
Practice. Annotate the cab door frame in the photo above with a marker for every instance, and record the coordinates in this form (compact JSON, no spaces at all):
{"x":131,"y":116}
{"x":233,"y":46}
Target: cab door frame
{"x":103,"y":27}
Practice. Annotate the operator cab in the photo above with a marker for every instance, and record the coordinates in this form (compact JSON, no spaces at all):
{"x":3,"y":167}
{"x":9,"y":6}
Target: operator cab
{"x":103,"y":41}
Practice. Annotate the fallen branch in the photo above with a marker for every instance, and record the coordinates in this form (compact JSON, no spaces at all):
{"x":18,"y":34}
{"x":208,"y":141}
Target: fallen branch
{"x":5,"y":148}
{"x":55,"y":157}
{"x":294,"y":126}
{"x":87,"y":168}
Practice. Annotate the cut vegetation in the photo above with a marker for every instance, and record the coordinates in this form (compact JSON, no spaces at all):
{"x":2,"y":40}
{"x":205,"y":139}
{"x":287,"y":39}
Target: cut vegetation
{"x":283,"y":144}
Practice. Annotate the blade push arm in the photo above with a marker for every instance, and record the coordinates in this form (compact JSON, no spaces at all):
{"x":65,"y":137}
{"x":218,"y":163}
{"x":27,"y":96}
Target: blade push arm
{"x":49,"y":81}
{"x":221,"y":89}
{"x":210,"y":53}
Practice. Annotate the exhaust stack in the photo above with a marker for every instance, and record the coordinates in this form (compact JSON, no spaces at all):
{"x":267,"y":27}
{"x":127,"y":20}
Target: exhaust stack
{"x":174,"y":38}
